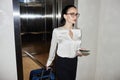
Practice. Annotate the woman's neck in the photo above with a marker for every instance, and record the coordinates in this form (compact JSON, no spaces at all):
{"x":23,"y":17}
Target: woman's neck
{"x":67,"y":26}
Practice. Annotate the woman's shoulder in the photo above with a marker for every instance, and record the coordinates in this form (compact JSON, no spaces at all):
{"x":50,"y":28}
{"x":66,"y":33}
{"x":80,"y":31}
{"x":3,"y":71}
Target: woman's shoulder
{"x":58,"y":28}
{"x":78,"y":29}
{"x":61,"y":28}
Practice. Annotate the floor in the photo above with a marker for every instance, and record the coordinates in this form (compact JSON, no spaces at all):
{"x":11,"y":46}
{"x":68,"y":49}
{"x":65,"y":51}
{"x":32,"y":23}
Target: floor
{"x":39,"y":48}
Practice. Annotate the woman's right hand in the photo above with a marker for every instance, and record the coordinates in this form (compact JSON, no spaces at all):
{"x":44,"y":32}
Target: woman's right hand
{"x":47,"y":67}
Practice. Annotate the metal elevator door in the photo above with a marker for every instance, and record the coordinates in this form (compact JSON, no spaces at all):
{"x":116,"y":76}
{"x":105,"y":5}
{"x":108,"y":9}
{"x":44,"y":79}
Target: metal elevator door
{"x":38,"y":19}
{"x":41,"y":15}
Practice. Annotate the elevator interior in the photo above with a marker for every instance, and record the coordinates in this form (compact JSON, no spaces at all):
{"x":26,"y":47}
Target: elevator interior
{"x":37,"y":20}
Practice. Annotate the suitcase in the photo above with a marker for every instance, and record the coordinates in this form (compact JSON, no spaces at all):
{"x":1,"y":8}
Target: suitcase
{"x":41,"y":73}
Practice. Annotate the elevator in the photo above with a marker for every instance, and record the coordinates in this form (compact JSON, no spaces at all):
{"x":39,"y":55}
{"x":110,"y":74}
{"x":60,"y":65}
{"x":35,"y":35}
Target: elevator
{"x":37,"y":20}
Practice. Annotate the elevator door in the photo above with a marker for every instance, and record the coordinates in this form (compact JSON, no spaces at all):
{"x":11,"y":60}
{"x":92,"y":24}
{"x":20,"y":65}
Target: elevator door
{"x":38,"y":19}
{"x":36,"y":31}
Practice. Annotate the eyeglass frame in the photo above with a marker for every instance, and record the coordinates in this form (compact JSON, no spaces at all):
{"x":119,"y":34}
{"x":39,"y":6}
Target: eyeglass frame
{"x":73,"y":14}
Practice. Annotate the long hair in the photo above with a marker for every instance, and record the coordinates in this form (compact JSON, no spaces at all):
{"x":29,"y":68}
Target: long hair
{"x":64,"y":11}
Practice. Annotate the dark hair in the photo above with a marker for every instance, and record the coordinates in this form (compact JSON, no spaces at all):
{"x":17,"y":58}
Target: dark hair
{"x":64,"y":11}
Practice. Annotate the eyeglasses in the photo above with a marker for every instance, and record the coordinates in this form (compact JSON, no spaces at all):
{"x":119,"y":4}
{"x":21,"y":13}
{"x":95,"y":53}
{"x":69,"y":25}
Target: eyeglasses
{"x":74,"y":14}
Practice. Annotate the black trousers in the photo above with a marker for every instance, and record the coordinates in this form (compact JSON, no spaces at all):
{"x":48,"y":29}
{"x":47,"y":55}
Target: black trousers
{"x":66,"y":68}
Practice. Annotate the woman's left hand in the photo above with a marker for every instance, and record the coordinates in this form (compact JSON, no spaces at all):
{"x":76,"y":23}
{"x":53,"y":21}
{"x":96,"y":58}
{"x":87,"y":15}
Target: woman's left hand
{"x":78,"y":53}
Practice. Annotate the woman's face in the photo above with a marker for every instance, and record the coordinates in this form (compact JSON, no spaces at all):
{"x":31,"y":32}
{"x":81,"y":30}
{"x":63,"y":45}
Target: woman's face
{"x":71,"y":15}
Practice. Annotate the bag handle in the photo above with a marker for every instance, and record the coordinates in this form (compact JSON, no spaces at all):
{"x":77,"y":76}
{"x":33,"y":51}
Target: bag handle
{"x":43,"y":71}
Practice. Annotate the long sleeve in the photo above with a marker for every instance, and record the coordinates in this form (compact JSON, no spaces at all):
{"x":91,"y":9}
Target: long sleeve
{"x":52,"y":48}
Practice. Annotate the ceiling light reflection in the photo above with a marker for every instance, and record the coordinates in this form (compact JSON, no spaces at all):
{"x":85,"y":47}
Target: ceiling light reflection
{"x":33,"y":16}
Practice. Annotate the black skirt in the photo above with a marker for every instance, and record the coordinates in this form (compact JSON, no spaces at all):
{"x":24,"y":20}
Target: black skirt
{"x":66,"y":68}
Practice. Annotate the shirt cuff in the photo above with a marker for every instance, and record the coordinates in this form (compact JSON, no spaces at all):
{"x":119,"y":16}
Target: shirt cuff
{"x":78,"y":48}
{"x":48,"y":63}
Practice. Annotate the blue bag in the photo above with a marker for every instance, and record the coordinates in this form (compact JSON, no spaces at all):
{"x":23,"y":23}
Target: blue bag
{"x":42,"y":74}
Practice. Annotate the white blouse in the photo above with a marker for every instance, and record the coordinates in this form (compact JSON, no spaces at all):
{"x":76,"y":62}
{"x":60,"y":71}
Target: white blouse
{"x":66,"y":46}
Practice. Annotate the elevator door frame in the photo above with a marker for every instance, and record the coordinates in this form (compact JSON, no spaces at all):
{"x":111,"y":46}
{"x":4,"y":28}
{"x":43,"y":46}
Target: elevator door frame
{"x":16,"y":16}
{"x":17,"y":31}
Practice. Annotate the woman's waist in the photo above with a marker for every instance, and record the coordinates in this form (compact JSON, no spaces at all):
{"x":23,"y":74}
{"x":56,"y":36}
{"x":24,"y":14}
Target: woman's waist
{"x":66,"y":55}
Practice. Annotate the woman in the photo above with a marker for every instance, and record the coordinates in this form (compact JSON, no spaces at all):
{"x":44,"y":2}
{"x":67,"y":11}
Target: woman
{"x":67,"y":40}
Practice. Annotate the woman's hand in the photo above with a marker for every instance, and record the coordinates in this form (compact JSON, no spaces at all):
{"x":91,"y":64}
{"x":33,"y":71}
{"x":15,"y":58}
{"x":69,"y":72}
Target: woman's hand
{"x":47,"y":67}
{"x":84,"y":52}
{"x":78,"y":53}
